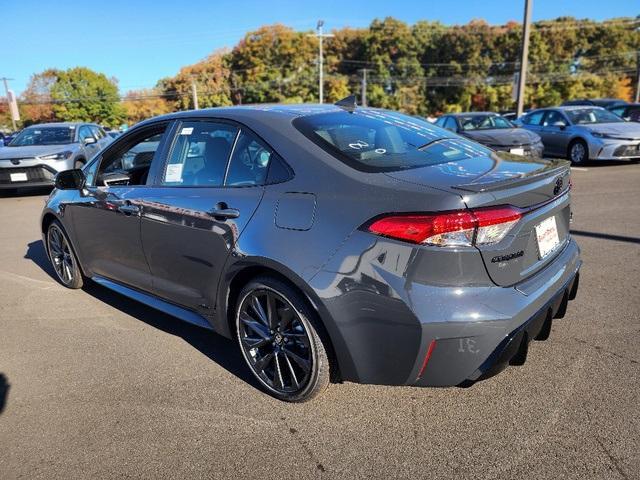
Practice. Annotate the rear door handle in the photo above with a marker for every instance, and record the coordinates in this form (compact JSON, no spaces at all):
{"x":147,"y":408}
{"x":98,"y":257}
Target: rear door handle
{"x":129,"y":209}
{"x":223,"y":211}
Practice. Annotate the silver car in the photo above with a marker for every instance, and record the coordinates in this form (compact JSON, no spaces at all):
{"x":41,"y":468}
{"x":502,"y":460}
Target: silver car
{"x":584,"y":133}
{"x":39,"y":152}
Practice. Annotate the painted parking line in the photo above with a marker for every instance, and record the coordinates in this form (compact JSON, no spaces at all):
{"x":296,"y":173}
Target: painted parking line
{"x":580,"y":169}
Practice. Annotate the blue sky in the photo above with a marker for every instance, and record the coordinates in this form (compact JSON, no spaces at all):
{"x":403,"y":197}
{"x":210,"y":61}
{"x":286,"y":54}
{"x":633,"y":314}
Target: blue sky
{"x":142,"y":41}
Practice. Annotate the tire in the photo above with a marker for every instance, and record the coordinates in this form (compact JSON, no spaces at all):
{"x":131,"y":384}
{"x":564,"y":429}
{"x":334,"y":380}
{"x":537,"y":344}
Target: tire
{"x":278,"y":338}
{"x":578,"y":152}
{"x":78,"y":164}
{"x":63,"y":258}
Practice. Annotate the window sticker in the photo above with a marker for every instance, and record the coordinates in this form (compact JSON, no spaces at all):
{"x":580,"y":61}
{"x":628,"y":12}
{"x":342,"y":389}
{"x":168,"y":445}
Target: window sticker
{"x":186,"y":131}
{"x":173,"y":173}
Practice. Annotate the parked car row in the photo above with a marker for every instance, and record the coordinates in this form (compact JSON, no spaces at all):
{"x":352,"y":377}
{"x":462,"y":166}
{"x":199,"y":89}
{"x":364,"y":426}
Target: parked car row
{"x":579,"y":130}
{"x":38,"y":153}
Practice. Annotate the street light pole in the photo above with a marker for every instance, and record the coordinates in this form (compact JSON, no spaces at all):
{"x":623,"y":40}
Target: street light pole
{"x":321,"y":36}
{"x":363,"y":88}
{"x":524,"y":60}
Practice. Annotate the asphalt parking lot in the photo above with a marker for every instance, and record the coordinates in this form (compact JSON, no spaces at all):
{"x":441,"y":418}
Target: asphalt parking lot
{"x":99,"y":386}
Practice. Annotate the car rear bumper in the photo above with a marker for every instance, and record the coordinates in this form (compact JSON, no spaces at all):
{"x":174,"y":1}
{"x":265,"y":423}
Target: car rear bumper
{"x":385,"y":323}
{"x":478,"y":350}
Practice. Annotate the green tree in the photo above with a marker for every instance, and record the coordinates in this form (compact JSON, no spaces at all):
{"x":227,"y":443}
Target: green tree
{"x":80,"y":94}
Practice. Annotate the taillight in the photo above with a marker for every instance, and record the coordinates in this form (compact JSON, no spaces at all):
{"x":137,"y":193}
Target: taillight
{"x":482,"y":226}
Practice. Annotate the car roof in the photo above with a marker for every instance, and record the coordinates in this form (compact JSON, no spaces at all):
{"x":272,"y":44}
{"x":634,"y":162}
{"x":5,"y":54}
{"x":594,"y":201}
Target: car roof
{"x":289,"y":110}
{"x":60,"y":124}
{"x":472,"y":114}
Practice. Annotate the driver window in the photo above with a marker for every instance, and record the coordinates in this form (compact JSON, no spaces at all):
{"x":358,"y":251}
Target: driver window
{"x":249,"y":163}
{"x":129,"y":162}
{"x":84,"y":133}
{"x":554,"y":119}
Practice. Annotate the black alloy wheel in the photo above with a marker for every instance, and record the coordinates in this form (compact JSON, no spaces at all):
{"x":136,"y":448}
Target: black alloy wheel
{"x":279,"y":342}
{"x":62,"y":257}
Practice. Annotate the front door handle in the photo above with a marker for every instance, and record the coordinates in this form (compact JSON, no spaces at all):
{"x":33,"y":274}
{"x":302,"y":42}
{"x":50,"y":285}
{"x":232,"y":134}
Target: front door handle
{"x":129,"y":209}
{"x":223,"y":211}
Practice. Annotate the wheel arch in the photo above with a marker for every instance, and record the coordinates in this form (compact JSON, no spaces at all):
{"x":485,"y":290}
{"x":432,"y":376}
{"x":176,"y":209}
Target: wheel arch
{"x":243,"y":272}
{"x":47,"y":218}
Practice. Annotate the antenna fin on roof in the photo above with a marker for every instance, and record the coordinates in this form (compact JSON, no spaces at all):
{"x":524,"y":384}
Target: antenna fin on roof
{"x":348,"y":103}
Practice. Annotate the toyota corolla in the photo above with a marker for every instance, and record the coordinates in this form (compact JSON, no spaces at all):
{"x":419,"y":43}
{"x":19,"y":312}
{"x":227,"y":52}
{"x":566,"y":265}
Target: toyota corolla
{"x":332,"y":242}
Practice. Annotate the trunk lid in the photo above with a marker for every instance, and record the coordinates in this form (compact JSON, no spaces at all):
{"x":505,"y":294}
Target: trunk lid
{"x":538,"y":187}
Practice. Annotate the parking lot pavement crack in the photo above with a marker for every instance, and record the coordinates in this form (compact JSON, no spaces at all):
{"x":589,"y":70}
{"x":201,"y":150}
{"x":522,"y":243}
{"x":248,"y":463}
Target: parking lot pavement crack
{"x":612,"y":459}
{"x":305,"y":447}
{"x":605,"y":351}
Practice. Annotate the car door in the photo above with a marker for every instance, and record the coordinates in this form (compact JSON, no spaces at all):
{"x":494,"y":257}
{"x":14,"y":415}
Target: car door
{"x":555,"y":134}
{"x":106,"y":218}
{"x":208,"y":190}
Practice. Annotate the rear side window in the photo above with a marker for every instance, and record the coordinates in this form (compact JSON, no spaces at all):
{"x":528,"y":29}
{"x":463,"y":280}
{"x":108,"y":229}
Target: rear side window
{"x":381,"y":141}
{"x":533,"y":118}
{"x":200,"y":154}
{"x":249,"y":163}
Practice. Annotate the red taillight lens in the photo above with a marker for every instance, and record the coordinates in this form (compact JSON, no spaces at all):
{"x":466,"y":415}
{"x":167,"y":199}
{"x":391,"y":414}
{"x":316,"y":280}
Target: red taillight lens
{"x":426,"y":228}
{"x":465,"y":227}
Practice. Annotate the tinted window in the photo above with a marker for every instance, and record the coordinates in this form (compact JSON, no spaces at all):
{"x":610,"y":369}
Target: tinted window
{"x":44,"y":136}
{"x":132,"y":156}
{"x":249,"y":162}
{"x":553,"y":118}
{"x":586,"y":116}
{"x":450,"y":124}
{"x":377,"y":141}
{"x":97,"y":132}
{"x":483,"y":122}
{"x":440,"y":121}
{"x":200,"y":154}
{"x":618,"y":110}
{"x":533,"y":118}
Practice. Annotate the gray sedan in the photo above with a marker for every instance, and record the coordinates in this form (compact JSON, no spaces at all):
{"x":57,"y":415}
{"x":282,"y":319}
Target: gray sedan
{"x":494,"y":131}
{"x":332,"y":242}
{"x":33,"y":158}
{"x":582,"y":133}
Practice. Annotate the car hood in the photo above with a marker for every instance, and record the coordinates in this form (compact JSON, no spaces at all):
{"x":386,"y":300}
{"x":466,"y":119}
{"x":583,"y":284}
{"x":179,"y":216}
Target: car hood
{"x":503,"y":136}
{"x":31,"y":151}
{"x":617,"y":129}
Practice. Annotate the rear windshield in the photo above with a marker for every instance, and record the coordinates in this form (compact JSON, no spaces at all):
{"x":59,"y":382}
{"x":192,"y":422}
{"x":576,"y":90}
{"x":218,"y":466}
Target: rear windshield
{"x":383,"y":141}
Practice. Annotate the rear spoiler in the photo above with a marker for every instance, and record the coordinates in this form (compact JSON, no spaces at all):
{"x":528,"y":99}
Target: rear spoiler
{"x":555,"y":168}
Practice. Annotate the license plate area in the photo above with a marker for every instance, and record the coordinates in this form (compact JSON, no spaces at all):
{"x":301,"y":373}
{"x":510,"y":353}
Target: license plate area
{"x":547,"y":236}
{"x":18,"y":177}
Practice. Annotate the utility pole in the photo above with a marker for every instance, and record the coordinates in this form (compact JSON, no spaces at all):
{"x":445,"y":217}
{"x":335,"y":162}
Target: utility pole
{"x":320,"y":35}
{"x":194,"y":94}
{"x":363,"y":87}
{"x":10,"y":100}
{"x":524,"y":60}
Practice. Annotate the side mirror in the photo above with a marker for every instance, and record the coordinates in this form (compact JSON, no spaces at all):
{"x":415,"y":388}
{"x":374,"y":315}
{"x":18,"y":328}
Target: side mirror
{"x":560,"y":125}
{"x":70,"y":180}
{"x":89,"y":140}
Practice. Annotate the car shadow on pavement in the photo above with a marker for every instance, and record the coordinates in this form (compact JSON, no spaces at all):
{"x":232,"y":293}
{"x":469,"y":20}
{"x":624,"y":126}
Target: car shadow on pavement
{"x":606,"y":236}
{"x":4,"y":391}
{"x":38,"y":255}
{"x":221,"y":350}
{"x":25,"y":192}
